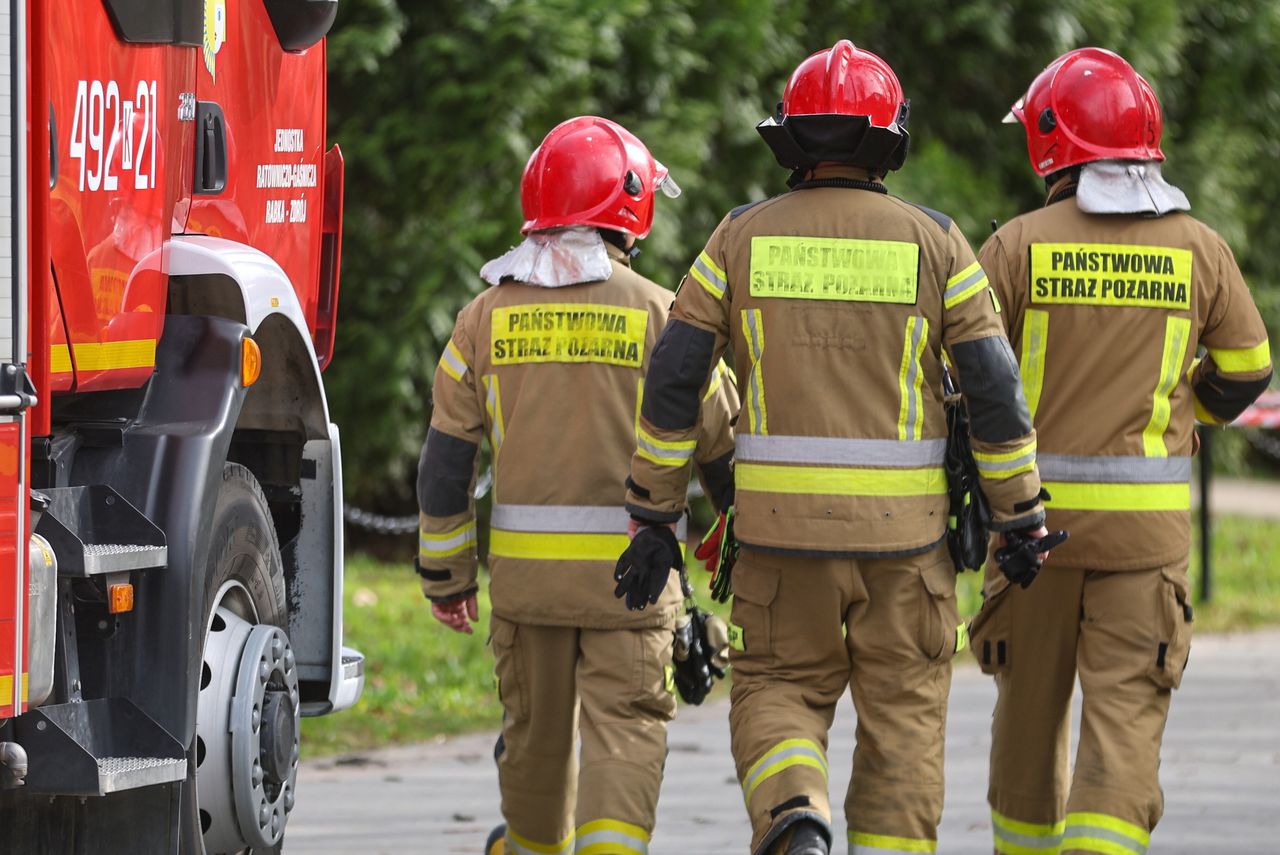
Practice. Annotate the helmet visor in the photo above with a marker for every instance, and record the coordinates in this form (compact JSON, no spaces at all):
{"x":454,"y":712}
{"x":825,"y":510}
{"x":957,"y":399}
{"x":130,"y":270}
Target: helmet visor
{"x":667,"y":184}
{"x":1012,"y":117}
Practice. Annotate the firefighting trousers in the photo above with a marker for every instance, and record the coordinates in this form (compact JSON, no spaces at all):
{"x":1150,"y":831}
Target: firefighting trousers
{"x":804,"y":629}
{"x":1127,"y":635}
{"x":612,"y":688}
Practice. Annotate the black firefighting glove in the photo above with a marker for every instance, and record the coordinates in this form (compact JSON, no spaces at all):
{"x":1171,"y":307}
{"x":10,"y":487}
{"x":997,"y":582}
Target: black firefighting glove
{"x":1019,"y":558}
{"x":642,"y":571}
{"x":700,"y":654}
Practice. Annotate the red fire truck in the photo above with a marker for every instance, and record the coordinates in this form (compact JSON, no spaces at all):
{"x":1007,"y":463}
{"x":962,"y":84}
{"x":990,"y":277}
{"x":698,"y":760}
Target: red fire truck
{"x":170,"y":481}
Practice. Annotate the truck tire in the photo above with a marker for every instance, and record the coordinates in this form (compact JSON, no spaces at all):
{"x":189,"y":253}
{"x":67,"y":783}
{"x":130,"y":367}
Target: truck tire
{"x":244,"y":757}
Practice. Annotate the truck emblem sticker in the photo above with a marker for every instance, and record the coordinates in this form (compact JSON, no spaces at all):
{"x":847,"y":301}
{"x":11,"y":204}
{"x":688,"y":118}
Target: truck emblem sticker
{"x":215,"y":32}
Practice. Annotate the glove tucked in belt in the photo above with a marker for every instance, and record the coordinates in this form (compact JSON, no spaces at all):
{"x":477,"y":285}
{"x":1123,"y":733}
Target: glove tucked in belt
{"x":643,"y":569}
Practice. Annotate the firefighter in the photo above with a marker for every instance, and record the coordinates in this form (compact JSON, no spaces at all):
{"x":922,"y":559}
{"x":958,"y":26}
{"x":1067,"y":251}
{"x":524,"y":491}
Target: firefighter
{"x":838,"y":300}
{"x":549,"y":364}
{"x":1108,"y":291}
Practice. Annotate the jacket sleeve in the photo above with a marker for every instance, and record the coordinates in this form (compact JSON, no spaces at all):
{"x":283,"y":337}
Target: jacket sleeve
{"x":1004,"y":442}
{"x":714,"y":451}
{"x":447,"y":472}
{"x":678,"y":376}
{"x":1237,"y":367}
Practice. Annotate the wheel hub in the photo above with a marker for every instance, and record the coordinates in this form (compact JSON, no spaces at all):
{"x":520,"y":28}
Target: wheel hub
{"x":247,"y":727}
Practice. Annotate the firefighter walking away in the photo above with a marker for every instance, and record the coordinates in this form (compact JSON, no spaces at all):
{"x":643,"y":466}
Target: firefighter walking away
{"x":838,"y":300}
{"x":1108,"y":292}
{"x":549,"y":364}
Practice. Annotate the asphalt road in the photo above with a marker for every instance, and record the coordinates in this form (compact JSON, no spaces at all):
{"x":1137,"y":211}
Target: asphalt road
{"x":1221,"y":775}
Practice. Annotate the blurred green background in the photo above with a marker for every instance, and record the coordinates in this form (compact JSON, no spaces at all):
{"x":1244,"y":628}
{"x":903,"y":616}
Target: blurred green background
{"x":437,"y":106}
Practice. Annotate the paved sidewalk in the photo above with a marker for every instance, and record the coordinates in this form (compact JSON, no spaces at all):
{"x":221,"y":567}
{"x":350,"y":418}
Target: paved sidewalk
{"x":1221,"y":775}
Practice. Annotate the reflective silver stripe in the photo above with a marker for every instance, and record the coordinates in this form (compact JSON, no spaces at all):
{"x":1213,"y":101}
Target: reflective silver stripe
{"x":432,"y":544}
{"x":716,"y":280}
{"x":1114,"y":470}
{"x":567,"y":519}
{"x":495,"y":413}
{"x":1005,"y":465}
{"x":836,"y":451}
{"x":658,"y":451}
{"x":517,"y":849}
{"x":454,"y":360}
{"x":1049,"y":842}
{"x":862,"y":849}
{"x":627,"y":843}
{"x":754,"y":391}
{"x":1098,"y":833}
{"x":957,"y":289}
{"x":913,"y":372}
{"x":767,"y":770}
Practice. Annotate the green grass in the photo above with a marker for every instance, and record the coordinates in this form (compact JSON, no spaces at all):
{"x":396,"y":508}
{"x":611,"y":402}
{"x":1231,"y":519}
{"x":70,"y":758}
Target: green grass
{"x":425,"y":681}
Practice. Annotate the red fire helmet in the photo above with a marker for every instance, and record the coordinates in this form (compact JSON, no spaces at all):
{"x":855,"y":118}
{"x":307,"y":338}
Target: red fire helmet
{"x":1089,"y":104}
{"x":590,"y":171}
{"x":844,"y":80}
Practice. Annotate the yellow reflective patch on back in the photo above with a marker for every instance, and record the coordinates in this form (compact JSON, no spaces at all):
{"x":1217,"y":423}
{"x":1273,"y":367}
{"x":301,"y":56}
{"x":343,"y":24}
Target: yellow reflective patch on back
{"x":805,"y":268}
{"x":1106,"y":274}
{"x":568,"y":332}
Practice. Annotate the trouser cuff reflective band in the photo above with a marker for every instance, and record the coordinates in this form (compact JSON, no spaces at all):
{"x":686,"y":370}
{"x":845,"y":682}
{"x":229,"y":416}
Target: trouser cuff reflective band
{"x":862,"y":843}
{"x":784,"y":755}
{"x":1014,"y":837}
{"x":1109,"y":835}
{"x":524,"y":846}
{"x":612,"y":837}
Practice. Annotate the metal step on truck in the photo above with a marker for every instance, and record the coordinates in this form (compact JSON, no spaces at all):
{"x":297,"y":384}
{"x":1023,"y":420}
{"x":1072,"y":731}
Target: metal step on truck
{"x":170,"y":480}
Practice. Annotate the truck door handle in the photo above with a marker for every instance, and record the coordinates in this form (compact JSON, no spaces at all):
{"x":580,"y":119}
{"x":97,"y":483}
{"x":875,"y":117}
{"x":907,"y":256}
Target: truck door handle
{"x":211,"y":149}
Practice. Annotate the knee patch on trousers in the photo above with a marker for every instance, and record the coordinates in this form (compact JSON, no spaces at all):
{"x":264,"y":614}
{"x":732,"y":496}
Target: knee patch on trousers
{"x":1173,"y":642}
{"x":990,"y":631}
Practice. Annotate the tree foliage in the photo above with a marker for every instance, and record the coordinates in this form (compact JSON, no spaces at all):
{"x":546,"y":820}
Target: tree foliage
{"x":438,"y":103}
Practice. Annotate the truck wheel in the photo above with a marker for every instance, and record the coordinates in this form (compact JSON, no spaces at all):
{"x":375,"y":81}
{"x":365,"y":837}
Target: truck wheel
{"x":247,"y":716}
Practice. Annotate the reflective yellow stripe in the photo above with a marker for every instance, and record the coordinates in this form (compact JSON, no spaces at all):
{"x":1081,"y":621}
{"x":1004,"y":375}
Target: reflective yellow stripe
{"x":890,"y":844}
{"x":1068,"y":495}
{"x":1008,"y":463}
{"x":1005,"y":456}
{"x":1136,"y":833}
{"x":717,"y":378}
{"x":1014,"y":837}
{"x":104,"y":355}
{"x":962,"y":637}
{"x":525,"y":846}
{"x":1035,"y":340}
{"x":1202,"y":415}
{"x":639,"y":403}
{"x":444,"y":544}
{"x":840,"y":480}
{"x":964,"y":285}
{"x":1176,"y":333}
{"x":757,"y":412}
{"x":6,"y":689}
{"x":1243,"y":360}
{"x":493,"y":406}
{"x":715,"y":268}
{"x":664,"y":452}
{"x":1031,"y":829}
{"x":785,"y":755}
{"x":911,"y":379}
{"x":1098,"y":846}
{"x":452,"y":363}
{"x":611,"y":837}
{"x":555,"y":546}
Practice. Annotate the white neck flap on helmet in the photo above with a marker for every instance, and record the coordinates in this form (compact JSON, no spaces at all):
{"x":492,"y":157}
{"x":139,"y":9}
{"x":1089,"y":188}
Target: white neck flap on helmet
{"x":1127,"y":187}
{"x":553,"y":259}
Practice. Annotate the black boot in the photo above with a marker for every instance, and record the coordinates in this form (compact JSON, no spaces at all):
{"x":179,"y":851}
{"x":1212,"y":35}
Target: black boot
{"x":804,"y":838}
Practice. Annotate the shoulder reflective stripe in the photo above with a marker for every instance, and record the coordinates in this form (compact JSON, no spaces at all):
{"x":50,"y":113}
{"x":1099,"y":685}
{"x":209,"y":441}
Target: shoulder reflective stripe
{"x":709,"y":276}
{"x":840,"y":481}
{"x":1114,"y":470}
{"x":784,"y":755}
{"x":1035,"y":340}
{"x":611,"y":837}
{"x":1006,"y":464}
{"x":836,"y":451}
{"x":570,"y":519}
{"x":452,"y":362}
{"x":1117,"y":497}
{"x":523,"y":846}
{"x":910,"y":379}
{"x":443,"y":544}
{"x":493,"y":406}
{"x":964,"y":285}
{"x":1243,"y":360}
{"x":1097,"y":832}
{"x":882,"y":844}
{"x":663,"y":452}
{"x":1013,"y":837}
{"x":1177,"y":331}
{"x":753,"y":331}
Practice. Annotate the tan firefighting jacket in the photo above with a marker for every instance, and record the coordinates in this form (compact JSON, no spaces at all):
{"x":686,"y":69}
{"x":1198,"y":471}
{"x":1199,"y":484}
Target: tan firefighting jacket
{"x":553,"y":378}
{"x":838,"y":303}
{"x":1106,"y":313}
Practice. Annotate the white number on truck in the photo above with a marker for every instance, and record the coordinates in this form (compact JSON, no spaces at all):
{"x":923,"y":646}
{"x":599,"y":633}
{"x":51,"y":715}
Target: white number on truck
{"x":126,"y":128}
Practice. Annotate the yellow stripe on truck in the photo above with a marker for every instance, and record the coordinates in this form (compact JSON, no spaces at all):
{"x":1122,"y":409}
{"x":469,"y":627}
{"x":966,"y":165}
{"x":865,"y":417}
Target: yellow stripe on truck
{"x":103,"y":356}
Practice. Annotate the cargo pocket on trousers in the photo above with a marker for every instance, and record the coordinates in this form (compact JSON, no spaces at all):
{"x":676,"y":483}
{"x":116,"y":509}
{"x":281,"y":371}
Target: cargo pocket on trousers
{"x":755,"y":586}
{"x":989,"y":632}
{"x":1173,"y":644}
{"x":941,"y":632}
{"x":508,"y":669}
